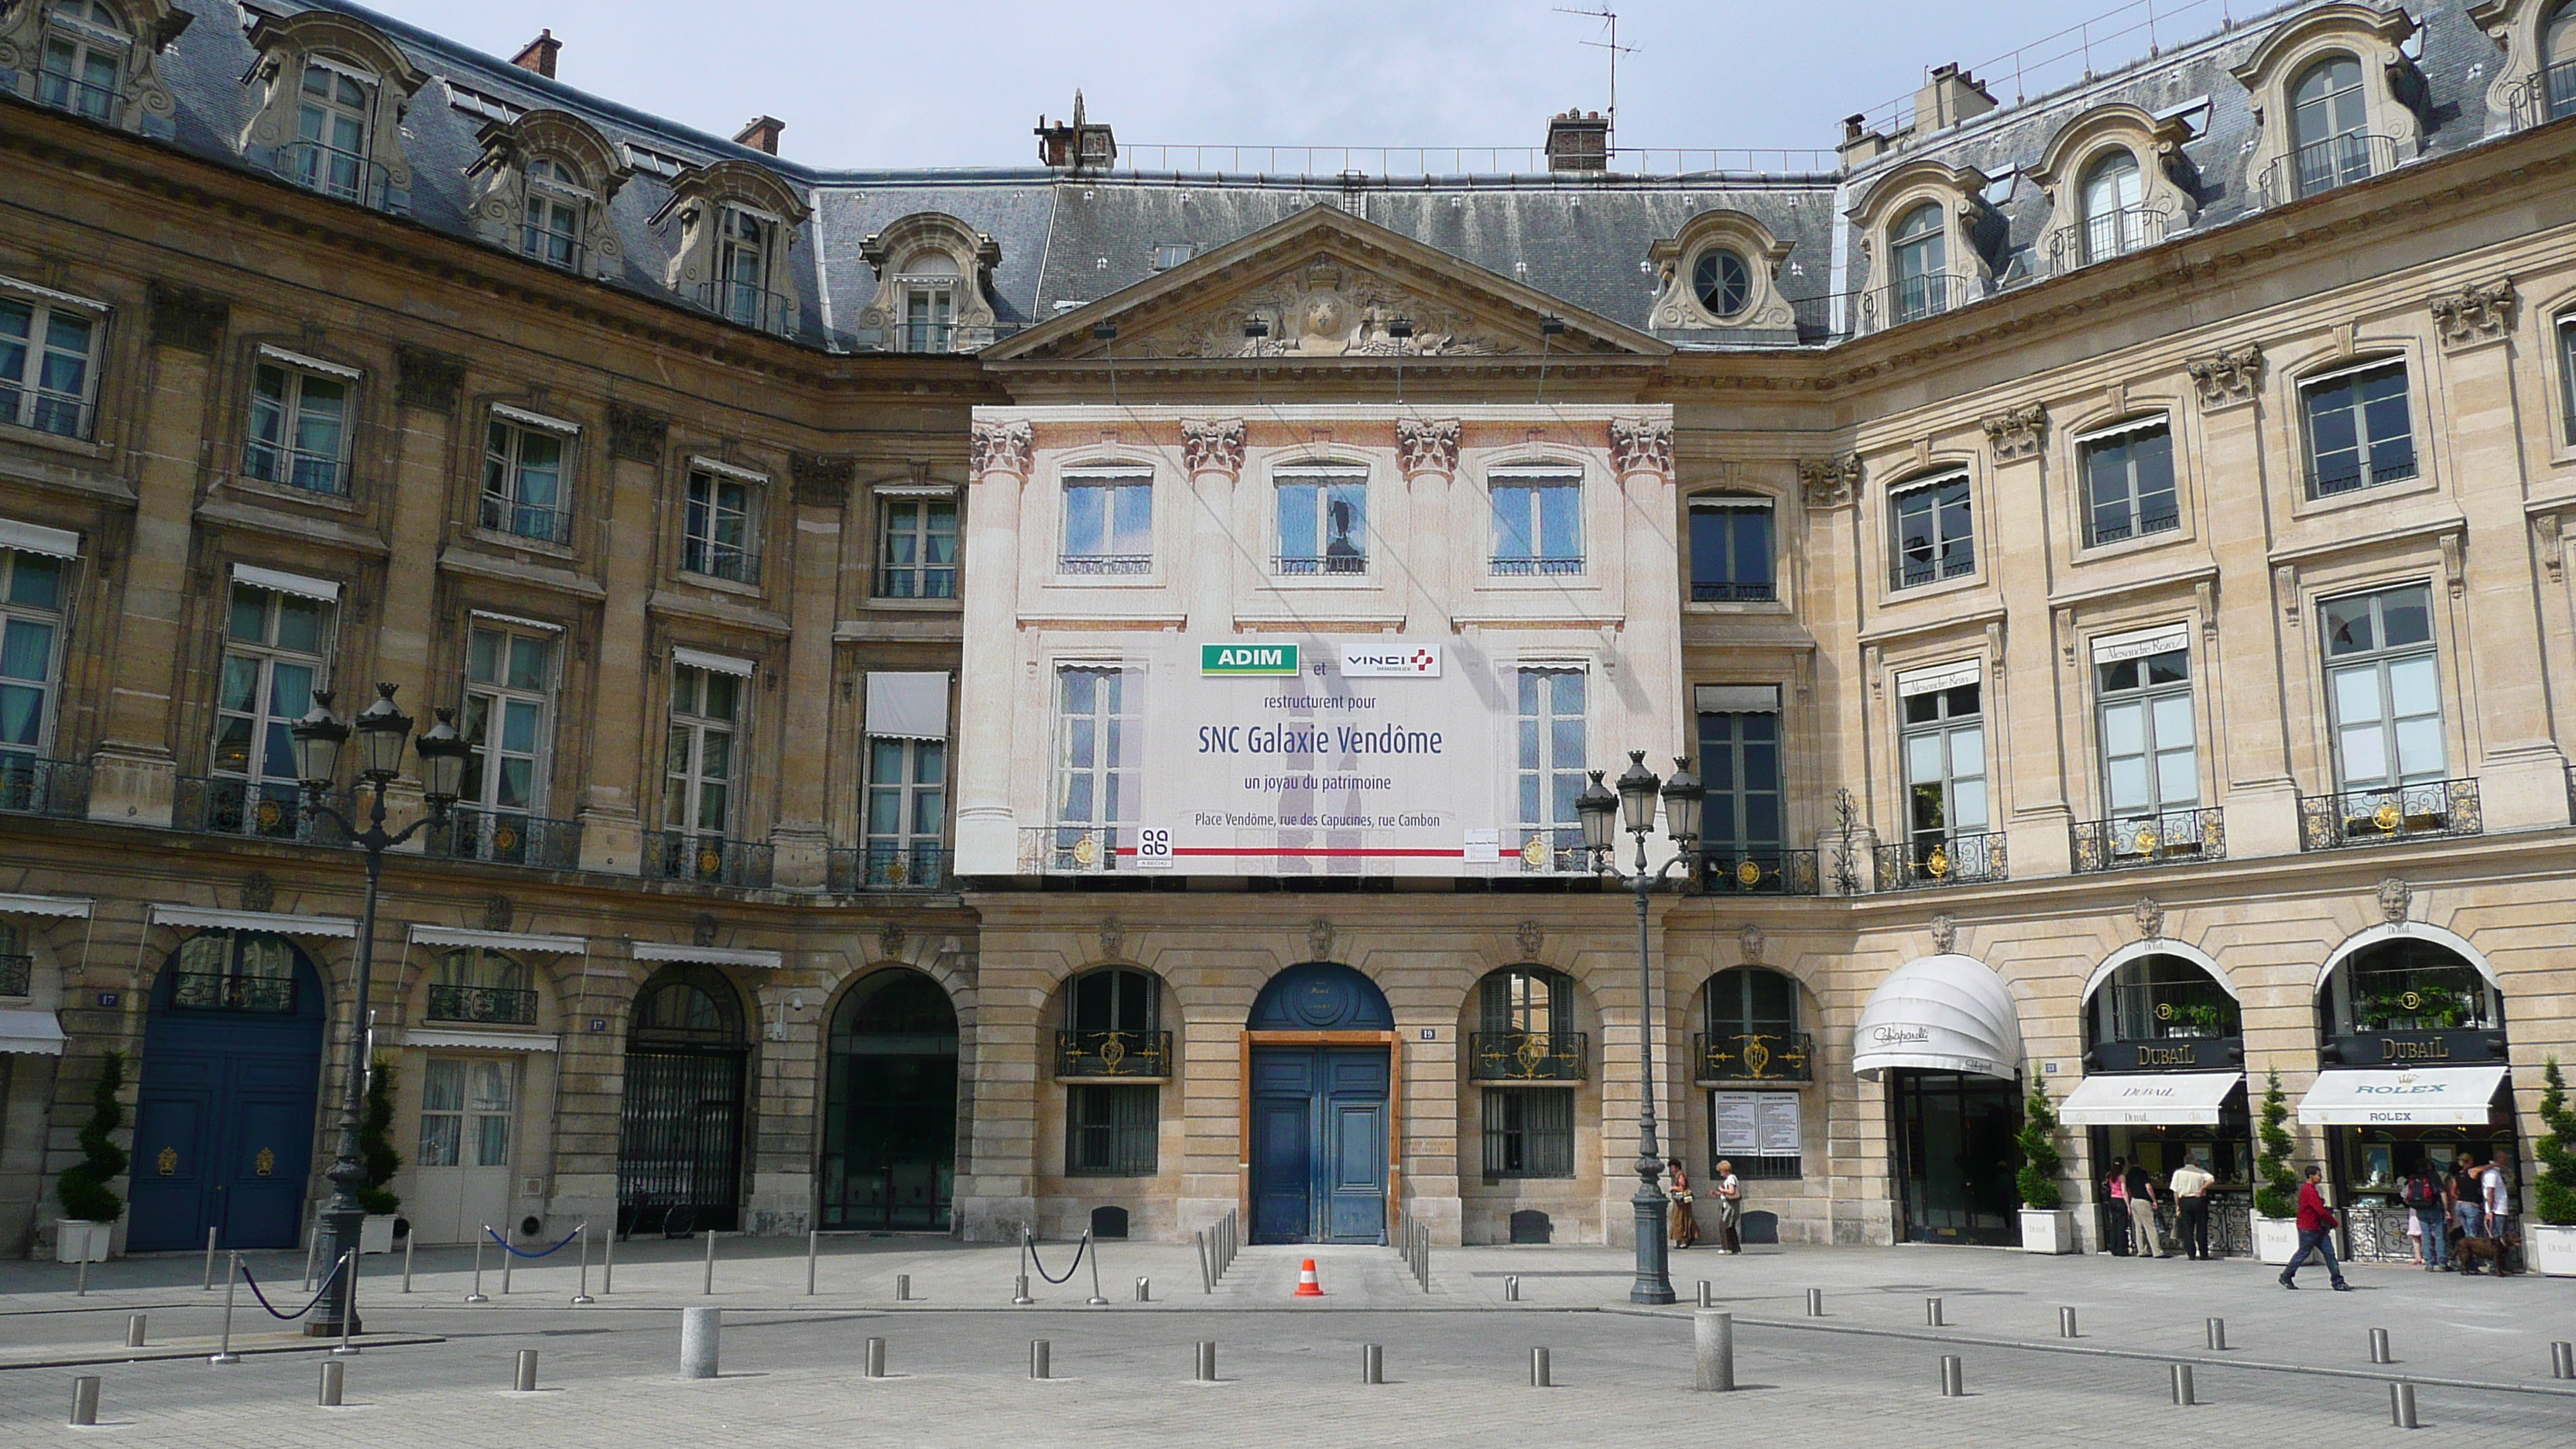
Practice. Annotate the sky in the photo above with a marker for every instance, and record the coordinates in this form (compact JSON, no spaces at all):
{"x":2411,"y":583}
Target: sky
{"x":865,"y":84}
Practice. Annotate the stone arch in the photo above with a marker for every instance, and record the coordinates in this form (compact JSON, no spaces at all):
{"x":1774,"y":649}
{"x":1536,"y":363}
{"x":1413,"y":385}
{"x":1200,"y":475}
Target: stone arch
{"x":965,"y":259}
{"x":1677,"y":303}
{"x":1320,"y":996}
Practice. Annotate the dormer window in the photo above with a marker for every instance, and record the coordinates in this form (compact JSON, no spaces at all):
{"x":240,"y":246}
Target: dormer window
{"x":2558,"y":62}
{"x":928,"y":288}
{"x":742,"y":268}
{"x":85,"y":48}
{"x":331,"y":131}
{"x":1722,"y":281}
{"x":934,"y":276}
{"x":2329,"y":127}
{"x":551,"y":228}
{"x":1921,"y":248}
{"x":2114,"y":207}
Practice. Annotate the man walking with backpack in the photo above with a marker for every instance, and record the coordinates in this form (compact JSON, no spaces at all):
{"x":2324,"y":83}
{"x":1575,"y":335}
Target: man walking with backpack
{"x":2423,"y":1197}
{"x":2316,"y":1234}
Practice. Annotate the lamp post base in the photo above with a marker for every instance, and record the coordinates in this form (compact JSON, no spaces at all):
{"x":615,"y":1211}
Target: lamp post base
{"x":1654,"y":1262}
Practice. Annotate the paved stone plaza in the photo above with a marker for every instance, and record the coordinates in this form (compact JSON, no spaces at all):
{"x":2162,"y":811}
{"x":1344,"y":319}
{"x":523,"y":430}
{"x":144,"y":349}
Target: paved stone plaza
{"x":1457,"y":1356}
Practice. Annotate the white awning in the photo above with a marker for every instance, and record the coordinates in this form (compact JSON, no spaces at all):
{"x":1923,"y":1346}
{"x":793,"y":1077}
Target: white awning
{"x":707,"y":955}
{"x":2152,"y":1099}
{"x":286,"y":583}
{"x":18,"y":905}
{"x":334,"y":928}
{"x":908,"y":706}
{"x":499,"y":940}
{"x":1942,"y":1013}
{"x":2414,"y":1097}
{"x":33,"y":1032}
{"x":493,"y":1041}
{"x":36,"y":538}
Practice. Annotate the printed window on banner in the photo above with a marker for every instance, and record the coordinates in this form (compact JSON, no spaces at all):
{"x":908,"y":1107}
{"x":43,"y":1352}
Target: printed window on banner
{"x":1529,"y":1132}
{"x":299,"y":424}
{"x":32,"y":588}
{"x":1096,"y":710}
{"x":1323,"y":522}
{"x":1550,"y":775}
{"x":45,"y":366}
{"x":1538,"y":524}
{"x":1108,"y":523}
{"x":2384,"y":686}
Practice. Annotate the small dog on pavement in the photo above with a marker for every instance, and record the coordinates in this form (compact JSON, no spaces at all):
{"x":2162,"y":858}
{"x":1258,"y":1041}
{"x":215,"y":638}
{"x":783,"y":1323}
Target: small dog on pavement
{"x":2473,"y":1254}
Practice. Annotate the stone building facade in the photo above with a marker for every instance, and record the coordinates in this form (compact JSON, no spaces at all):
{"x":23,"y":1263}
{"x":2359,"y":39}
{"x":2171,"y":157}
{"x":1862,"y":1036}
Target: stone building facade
{"x":2069,"y":538}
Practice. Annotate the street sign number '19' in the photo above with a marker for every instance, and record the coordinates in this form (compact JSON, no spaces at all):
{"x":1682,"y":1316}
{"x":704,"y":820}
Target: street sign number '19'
{"x":1247,"y":659}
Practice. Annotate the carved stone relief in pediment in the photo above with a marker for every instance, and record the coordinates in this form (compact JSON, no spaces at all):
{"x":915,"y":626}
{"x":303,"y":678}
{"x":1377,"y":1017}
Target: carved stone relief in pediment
{"x":1325,"y":308}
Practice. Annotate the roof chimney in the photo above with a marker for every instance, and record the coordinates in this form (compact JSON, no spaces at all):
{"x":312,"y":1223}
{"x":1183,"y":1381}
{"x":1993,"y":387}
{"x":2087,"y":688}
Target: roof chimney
{"x":1578,"y":142}
{"x":539,"y":54}
{"x":760,"y":133}
{"x":1950,"y":96}
{"x":1080,"y":144}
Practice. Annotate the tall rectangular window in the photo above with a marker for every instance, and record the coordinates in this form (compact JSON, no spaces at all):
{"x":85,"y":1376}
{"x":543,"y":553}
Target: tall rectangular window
{"x":275,"y":655}
{"x":917,"y":548}
{"x":2150,"y":754}
{"x":1110,"y":1131}
{"x":2129,"y":482}
{"x":2566,"y":355}
{"x":550,"y":227}
{"x":1934,"y":533}
{"x":509,"y":716}
{"x":1538,"y":523}
{"x":466,"y":1107}
{"x":2360,"y":433}
{"x":85,"y":47}
{"x":1529,"y":1132}
{"x":742,"y":268}
{"x":330,"y":153}
{"x":1095,"y":714}
{"x":698,"y":766}
{"x":1739,"y":762}
{"x":926,"y":327}
{"x":523,"y":482}
{"x":906,"y":810}
{"x":45,"y":354}
{"x":716,"y":528}
{"x":2383,"y":683}
{"x":299,"y":424}
{"x":1730,"y":549}
{"x":1323,"y":522}
{"x":31,"y":631}
{"x":1945,"y":766}
{"x":1108,"y":523}
{"x":1550,"y":774}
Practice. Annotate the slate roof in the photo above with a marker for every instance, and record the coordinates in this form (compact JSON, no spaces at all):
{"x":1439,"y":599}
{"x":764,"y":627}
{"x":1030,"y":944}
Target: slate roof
{"x":1068,"y":239}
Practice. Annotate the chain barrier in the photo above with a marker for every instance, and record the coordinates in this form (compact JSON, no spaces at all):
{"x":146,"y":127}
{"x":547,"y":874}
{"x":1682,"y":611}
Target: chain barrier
{"x":1031,"y":1244}
{"x":524,"y":1253}
{"x":325,"y":1291}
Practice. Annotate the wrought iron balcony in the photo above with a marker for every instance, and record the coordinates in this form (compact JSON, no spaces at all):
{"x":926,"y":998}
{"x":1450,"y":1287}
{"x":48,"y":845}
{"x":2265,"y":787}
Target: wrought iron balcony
{"x":80,"y":97}
{"x":17,"y":975}
{"x":1912,"y":299}
{"x":1556,"y":851}
{"x":490,"y":1005}
{"x":2157,"y":839}
{"x":1113,"y":1054}
{"x":267,"y":809}
{"x":1094,"y":565}
{"x":728,"y":561}
{"x":1074,"y":849}
{"x":1942,"y":860}
{"x":2324,"y":165}
{"x":2375,"y":816}
{"x":1733,"y":591}
{"x":2545,"y":95}
{"x":342,"y":174}
{"x":707,"y":859}
{"x":1915,"y":569}
{"x":2387,"y":463}
{"x":1528,"y":1056}
{"x":2137,"y":525}
{"x":46,"y":410}
{"x":293,"y":467}
{"x":2104,"y":235}
{"x":1725,"y":870}
{"x":554,"y":249}
{"x":527,"y":520}
{"x":224,"y":991}
{"x":505,"y":837}
{"x":1755,"y":1056}
{"x":751,"y":306}
{"x":923,"y":867}
{"x":1534,"y":568}
{"x":34,"y":785}
{"x":1298,"y":566}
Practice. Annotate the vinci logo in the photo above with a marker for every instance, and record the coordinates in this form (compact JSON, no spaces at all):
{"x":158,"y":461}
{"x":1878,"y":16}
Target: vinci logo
{"x":1247,"y":659}
{"x":1392,"y":661}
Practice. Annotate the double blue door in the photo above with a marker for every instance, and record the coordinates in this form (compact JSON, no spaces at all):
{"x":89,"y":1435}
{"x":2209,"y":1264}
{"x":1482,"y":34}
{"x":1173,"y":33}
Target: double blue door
{"x":223,"y":1135}
{"x":1319,"y":1144}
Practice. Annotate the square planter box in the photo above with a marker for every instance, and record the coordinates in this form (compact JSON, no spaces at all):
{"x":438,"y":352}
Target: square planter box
{"x":376,"y":1233}
{"x":2276,"y":1240}
{"x":77,"y":1241}
{"x":2047,"y":1230}
{"x":2553,"y":1249}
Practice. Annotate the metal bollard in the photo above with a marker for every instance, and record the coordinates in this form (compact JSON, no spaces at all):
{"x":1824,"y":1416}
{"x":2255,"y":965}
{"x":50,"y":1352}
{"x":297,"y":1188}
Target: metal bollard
{"x":312,"y":1245}
{"x":1932,"y":1313}
{"x":224,"y":1353}
{"x":876,"y":1358}
{"x":85,"y":1400}
{"x":1538,"y":1369}
{"x":1707,"y":1294}
{"x":1144,"y":1290}
{"x":349,"y":1320}
{"x":581,"y":1295}
{"x":1815,"y":1303}
{"x":2401,"y":1406}
{"x":699,"y":1328}
{"x":1040,"y":1352}
{"x":2182,"y":1392}
{"x":209,"y":1285}
{"x":2562,"y":1360}
{"x":2066,"y":1323}
{"x":903,"y":1287}
{"x":477,"y":1295}
{"x":1206,"y":1372}
{"x":509,"y":1260}
{"x":711,"y":1263}
{"x":1020,"y":1290}
{"x":2379,"y":1346}
{"x":134,"y":1330}
{"x":1372,"y":1363}
{"x":80,"y":1279}
{"x":1207,"y":1276}
{"x":607,"y":1262}
{"x":335,"y":1376}
{"x":1511,"y":1288}
{"x":526,"y":1381}
{"x":2217,"y":1329}
{"x":1954,"y":1377}
{"x":1713,"y":1351}
{"x":813,"y":1252}
{"x":410,"y":1242}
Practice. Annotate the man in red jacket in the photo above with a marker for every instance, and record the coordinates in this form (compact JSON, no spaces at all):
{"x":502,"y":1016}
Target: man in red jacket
{"x":2316,"y":1234}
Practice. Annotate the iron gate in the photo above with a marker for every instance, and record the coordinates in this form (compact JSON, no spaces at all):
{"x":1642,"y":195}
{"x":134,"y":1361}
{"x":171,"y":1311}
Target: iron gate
{"x":679,"y":1141}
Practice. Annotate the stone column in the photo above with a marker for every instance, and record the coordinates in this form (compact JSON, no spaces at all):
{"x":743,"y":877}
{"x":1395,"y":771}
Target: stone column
{"x":821,"y":495}
{"x":996,"y":1188}
{"x":2024,"y":662}
{"x":1649,"y":652}
{"x":1427,"y":450}
{"x":999,"y":463}
{"x":134,"y":771}
{"x":612,"y":823}
{"x":590,"y":1090}
{"x":2521,"y":772}
{"x":784,"y":1150}
{"x":427,"y":388}
{"x":1213,"y":454}
{"x":2259,"y":616}
{"x":1829,"y":488}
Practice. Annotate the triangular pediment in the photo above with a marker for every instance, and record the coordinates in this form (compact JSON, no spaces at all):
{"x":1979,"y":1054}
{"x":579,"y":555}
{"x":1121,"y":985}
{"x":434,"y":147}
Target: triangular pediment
{"x":1324,"y":285}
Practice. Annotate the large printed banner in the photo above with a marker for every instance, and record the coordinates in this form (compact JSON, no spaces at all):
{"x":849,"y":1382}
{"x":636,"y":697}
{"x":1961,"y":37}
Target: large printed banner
{"x":1276,"y":756}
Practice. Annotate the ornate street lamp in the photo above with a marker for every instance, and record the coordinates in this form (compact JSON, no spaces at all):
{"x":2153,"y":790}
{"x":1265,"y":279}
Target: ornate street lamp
{"x":381,"y":733}
{"x":1633,"y":809}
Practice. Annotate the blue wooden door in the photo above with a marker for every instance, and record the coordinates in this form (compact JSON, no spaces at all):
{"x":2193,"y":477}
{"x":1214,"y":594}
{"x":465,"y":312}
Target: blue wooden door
{"x":1319,"y":1144}
{"x":1354,"y":1190}
{"x":224,"y":1122}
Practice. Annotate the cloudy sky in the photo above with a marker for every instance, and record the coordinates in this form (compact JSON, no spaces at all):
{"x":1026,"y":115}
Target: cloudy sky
{"x":960,"y":82}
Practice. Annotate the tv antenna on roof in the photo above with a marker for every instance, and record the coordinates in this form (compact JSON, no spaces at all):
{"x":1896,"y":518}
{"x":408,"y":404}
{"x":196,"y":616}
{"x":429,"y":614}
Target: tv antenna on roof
{"x":1609,"y":19}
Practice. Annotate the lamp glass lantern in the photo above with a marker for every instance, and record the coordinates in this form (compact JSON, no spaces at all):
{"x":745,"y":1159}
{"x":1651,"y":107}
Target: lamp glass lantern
{"x":383,"y":732}
{"x":443,"y":754}
{"x":1597,"y":808}
{"x":1637,"y":786}
{"x":1683,"y":796}
{"x":319,"y":738}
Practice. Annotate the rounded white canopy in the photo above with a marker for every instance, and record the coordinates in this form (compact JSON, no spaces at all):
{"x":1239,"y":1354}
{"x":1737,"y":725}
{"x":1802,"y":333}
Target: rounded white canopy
{"x":1941,"y":1013}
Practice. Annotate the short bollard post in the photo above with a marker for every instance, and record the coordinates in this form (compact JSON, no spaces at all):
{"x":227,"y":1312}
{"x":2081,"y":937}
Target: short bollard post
{"x":1932,"y":1313}
{"x":711,"y":1263}
{"x":1815,"y":1303}
{"x":224,"y":1353}
{"x":134,"y":1330}
{"x":349,"y":1320}
{"x":1040,"y":1352}
{"x":477,"y":1295}
{"x":410,"y":1241}
{"x":80,"y":1279}
{"x":2401,"y":1406}
{"x":903,"y":1287}
{"x":1207,"y":1275}
{"x":209,"y":1285}
{"x":581,"y":1295}
{"x":876,"y":1358}
{"x":2379,"y":1346}
{"x":698,"y":1330}
{"x":1713,"y":1351}
{"x":2218,"y":1333}
{"x":1511,"y":1288}
{"x":1020,"y":1290}
{"x":1954,"y":1377}
{"x":607,"y":1263}
{"x":2066,"y":1323}
{"x":509,"y":1260}
{"x":1707,"y":1294}
{"x":335,"y":1375}
{"x":2562,"y":1360}
{"x":1206,"y":1372}
{"x":1372,"y":1363}
{"x":85,"y":1399}
{"x":526,"y":1382}
{"x":2182,"y":1393}
{"x":1097,"y":1299}
{"x":813,"y":1253}
{"x":1538,"y":1369}
{"x":1144,"y":1290}
{"x":312,"y":1245}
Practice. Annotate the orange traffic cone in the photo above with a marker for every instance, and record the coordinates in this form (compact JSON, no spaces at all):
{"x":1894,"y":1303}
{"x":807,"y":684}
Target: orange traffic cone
{"x":1307,"y":1287}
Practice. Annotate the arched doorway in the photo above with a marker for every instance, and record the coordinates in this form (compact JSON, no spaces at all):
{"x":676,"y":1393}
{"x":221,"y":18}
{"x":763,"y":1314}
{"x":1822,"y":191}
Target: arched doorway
{"x":1321,"y":1072}
{"x":890,"y":1125}
{"x":1944,"y":1033}
{"x":223,"y":1131}
{"x":1754,"y":1058}
{"x":679,"y":1131}
{"x":2164,"y":1084}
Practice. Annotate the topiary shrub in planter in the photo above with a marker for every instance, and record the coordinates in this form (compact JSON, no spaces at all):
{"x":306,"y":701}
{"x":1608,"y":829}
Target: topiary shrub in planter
{"x":2276,"y":1194}
{"x":2553,"y":1194}
{"x":2046,"y":1226}
{"x":90,"y":1205}
{"x":376,"y":1153}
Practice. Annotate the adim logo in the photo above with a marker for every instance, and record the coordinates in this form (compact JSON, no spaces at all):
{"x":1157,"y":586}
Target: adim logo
{"x":1247,"y":659}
